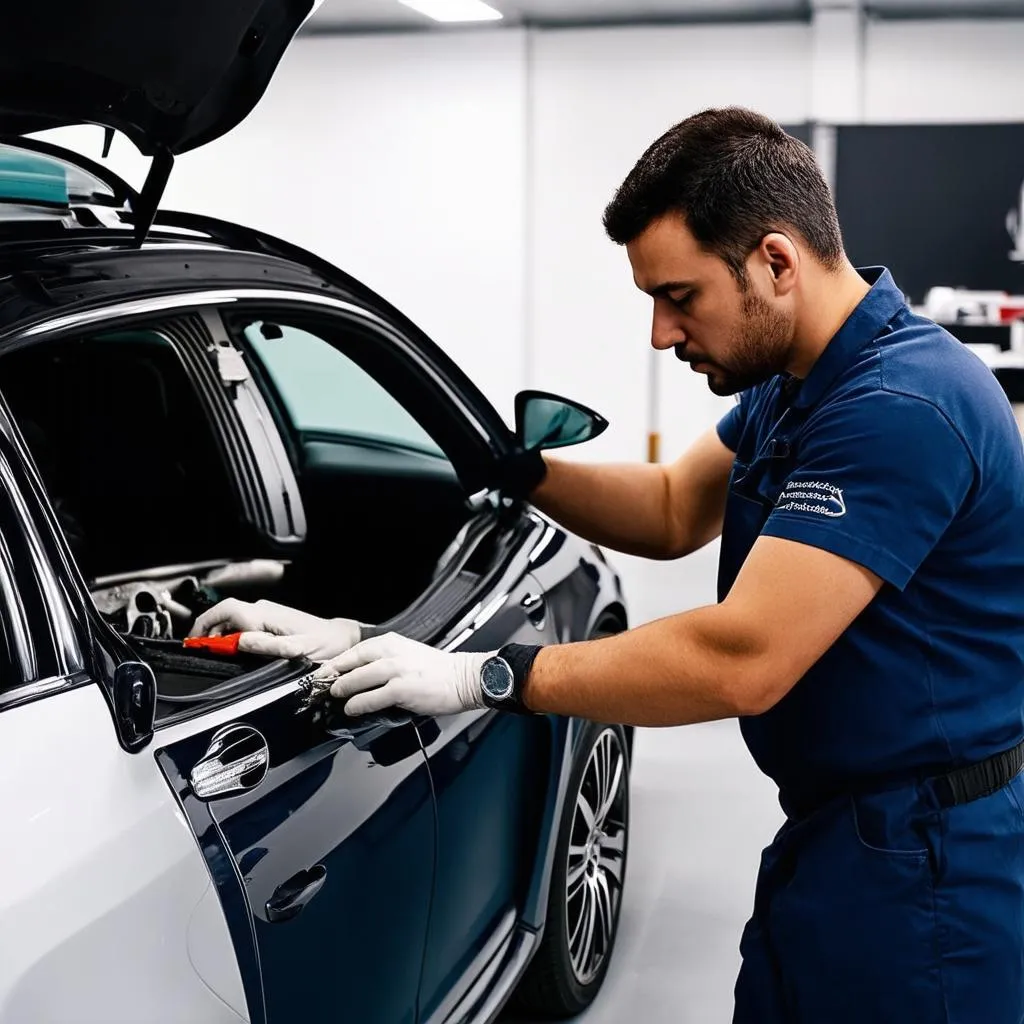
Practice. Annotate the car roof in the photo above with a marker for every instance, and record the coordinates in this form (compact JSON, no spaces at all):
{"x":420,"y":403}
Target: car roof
{"x":41,"y":277}
{"x":69,"y":234}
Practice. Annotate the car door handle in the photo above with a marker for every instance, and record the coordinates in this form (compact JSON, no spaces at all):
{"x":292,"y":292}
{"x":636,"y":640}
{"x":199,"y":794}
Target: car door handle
{"x":532,"y":602}
{"x":236,"y":760}
{"x":291,"y":897}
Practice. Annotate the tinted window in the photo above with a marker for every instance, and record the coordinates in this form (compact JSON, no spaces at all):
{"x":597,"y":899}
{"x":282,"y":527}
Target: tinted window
{"x":125,"y":448}
{"x":323,"y":389}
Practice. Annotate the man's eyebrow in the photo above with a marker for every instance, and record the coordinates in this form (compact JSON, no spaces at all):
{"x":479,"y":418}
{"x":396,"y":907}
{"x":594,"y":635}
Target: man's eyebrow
{"x":670,"y":286}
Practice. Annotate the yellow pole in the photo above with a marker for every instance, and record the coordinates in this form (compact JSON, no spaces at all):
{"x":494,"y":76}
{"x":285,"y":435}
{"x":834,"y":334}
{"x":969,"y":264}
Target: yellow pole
{"x":654,"y":447}
{"x":653,"y":411}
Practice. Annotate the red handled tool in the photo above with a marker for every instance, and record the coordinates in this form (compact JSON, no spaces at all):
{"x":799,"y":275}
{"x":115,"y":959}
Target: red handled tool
{"x":215,"y":644}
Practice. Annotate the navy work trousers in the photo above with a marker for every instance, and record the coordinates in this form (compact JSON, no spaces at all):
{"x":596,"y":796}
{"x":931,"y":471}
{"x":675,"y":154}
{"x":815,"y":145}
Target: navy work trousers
{"x":883,"y":908}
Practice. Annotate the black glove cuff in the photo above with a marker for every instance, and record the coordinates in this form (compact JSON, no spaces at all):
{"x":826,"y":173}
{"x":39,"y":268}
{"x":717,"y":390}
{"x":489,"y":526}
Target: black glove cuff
{"x":522,"y":473}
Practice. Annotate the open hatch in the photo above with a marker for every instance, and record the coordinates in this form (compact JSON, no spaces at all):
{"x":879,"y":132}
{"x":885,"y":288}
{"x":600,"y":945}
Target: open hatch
{"x":171,"y":75}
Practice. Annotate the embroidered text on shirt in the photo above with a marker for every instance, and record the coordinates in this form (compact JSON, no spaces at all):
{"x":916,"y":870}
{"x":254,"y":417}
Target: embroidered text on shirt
{"x":812,"y":496}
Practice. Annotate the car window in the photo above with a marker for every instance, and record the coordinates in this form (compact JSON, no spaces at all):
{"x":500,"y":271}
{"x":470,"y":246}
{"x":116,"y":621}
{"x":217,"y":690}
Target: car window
{"x":323,"y":389}
{"x":113,"y":414}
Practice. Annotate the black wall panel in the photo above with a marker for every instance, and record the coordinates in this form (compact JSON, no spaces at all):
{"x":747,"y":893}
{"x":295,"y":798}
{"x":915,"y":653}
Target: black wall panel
{"x":930,"y":202}
{"x":799,"y":131}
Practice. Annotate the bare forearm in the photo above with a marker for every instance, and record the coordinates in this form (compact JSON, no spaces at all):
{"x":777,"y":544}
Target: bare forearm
{"x":622,"y":507}
{"x":677,"y":671}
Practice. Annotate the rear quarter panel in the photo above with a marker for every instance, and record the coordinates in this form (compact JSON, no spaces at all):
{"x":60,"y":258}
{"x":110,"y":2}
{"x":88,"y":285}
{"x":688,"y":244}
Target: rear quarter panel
{"x":107,"y":912}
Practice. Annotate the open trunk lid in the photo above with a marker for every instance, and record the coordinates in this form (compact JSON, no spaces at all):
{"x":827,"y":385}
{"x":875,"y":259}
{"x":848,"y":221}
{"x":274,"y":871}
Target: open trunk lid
{"x":169,"y":74}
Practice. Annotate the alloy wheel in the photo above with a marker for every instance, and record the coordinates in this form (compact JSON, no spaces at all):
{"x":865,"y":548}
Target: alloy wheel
{"x":596,"y":857}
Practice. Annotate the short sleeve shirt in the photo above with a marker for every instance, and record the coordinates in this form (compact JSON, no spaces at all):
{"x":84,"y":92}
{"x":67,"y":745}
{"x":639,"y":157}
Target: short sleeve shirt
{"x":899,"y":452}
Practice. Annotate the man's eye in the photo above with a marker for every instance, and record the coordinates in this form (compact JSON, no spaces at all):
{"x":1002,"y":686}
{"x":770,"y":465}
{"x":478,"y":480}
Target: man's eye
{"x":684,"y":301}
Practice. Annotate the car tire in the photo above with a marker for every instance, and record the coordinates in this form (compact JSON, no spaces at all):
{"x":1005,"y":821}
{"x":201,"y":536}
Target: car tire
{"x":567,"y":971}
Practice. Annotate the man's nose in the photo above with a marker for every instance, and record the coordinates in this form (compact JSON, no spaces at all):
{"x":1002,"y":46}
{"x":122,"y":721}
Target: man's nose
{"x":666,"y":330}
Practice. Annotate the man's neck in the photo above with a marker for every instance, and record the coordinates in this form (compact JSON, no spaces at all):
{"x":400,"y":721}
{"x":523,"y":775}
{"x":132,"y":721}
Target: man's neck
{"x":829,"y":300}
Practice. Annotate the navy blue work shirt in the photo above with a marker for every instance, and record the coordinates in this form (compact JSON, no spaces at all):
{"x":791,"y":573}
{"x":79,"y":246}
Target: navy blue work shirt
{"x":900,"y":452}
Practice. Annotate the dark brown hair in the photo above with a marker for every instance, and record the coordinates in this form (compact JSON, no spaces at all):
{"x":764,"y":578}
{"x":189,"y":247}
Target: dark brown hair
{"x":735,"y":176}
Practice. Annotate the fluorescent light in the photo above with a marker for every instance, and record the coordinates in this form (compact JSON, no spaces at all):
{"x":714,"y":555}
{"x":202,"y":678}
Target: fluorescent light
{"x":454,"y":10}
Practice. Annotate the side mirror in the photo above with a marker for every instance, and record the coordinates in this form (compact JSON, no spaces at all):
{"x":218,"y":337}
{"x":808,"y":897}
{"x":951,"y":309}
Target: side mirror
{"x":549,"y":421}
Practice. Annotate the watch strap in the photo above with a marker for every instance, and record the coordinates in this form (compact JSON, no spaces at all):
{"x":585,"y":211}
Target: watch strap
{"x":520,"y":658}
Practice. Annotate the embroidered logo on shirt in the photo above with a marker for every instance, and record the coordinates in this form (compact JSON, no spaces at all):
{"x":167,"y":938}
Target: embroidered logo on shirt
{"x":812,"y":496}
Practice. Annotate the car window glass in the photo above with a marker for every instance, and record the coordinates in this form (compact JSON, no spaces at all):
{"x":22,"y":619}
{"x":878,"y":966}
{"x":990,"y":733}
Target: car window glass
{"x":323,"y":389}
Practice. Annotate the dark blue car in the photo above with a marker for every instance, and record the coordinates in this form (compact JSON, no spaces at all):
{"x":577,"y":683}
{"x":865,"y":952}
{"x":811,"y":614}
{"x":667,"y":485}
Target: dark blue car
{"x":191,"y":410}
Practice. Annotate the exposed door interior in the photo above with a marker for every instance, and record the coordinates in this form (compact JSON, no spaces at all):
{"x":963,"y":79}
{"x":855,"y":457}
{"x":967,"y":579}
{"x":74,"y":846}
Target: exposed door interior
{"x":151,"y":494}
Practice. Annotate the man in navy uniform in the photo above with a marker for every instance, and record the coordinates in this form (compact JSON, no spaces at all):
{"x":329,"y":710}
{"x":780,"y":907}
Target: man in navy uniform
{"x":868,"y":488}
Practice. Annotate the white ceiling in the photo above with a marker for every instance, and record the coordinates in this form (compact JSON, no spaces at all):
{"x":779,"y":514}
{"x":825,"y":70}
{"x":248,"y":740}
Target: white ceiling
{"x":362,"y":15}
{"x":352,"y":14}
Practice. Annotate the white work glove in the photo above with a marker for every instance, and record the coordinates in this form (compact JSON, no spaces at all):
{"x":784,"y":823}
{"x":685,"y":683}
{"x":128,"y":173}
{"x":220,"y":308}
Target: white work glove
{"x":277,"y":631}
{"x":336,"y":637}
{"x":393,"y":671}
{"x":234,"y":616}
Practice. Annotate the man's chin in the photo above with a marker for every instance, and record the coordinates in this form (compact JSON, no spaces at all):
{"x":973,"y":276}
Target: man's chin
{"x":723,"y":385}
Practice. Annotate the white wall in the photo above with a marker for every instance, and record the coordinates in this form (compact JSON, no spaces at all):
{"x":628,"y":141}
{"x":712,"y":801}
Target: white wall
{"x":926,"y":72}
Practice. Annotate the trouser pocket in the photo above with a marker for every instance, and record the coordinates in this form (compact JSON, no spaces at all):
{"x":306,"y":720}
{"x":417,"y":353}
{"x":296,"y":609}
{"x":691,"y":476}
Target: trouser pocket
{"x":854,"y":929}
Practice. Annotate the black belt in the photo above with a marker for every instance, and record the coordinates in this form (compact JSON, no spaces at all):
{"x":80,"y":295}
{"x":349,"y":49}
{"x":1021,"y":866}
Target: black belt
{"x":974,"y":781}
{"x":959,"y":786}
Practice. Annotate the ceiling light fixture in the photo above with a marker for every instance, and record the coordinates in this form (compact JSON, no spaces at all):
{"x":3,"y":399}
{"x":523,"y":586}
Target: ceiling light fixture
{"x":454,"y":10}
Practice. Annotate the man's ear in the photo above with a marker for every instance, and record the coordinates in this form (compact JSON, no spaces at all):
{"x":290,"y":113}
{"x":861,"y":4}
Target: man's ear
{"x":782,"y":259}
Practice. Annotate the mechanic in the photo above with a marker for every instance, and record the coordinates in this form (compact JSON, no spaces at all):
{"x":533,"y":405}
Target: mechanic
{"x":868,"y":487}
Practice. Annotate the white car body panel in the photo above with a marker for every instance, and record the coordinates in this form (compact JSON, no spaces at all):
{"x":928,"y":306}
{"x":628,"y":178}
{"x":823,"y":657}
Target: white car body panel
{"x":109,"y":911}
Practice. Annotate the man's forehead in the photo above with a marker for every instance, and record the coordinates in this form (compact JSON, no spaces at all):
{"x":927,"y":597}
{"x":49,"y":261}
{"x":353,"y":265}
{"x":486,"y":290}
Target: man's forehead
{"x":666,"y":257}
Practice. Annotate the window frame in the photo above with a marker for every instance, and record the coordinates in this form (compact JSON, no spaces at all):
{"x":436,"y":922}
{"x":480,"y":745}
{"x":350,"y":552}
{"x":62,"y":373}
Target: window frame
{"x":33,"y":603}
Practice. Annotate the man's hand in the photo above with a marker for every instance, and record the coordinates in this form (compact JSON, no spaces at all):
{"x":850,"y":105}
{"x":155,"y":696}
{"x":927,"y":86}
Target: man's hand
{"x":277,"y":631}
{"x":333,"y":639}
{"x":393,"y":671}
{"x":234,"y":616}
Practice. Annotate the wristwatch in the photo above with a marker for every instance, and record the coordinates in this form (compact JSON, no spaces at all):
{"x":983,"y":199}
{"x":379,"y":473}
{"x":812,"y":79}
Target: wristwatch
{"x":503,"y":676}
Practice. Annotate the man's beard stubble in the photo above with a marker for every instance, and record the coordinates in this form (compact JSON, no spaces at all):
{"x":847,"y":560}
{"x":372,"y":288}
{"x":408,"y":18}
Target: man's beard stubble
{"x":758,"y":354}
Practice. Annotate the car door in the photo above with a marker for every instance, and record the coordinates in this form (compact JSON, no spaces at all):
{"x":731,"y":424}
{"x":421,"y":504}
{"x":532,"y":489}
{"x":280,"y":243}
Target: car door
{"x":490,"y":775}
{"x":487,"y":769}
{"x":319,"y":834}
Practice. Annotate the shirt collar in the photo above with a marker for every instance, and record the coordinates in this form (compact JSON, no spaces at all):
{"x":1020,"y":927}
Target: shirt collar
{"x":860,"y":329}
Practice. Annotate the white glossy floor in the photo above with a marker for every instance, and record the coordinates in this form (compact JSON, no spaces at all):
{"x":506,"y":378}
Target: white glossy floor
{"x":701,"y":815}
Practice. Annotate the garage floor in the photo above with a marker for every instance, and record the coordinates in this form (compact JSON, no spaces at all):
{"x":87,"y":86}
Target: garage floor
{"x":701,"y":814}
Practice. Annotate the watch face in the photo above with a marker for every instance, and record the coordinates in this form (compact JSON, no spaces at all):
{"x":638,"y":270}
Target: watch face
{"x":497,"y":679}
